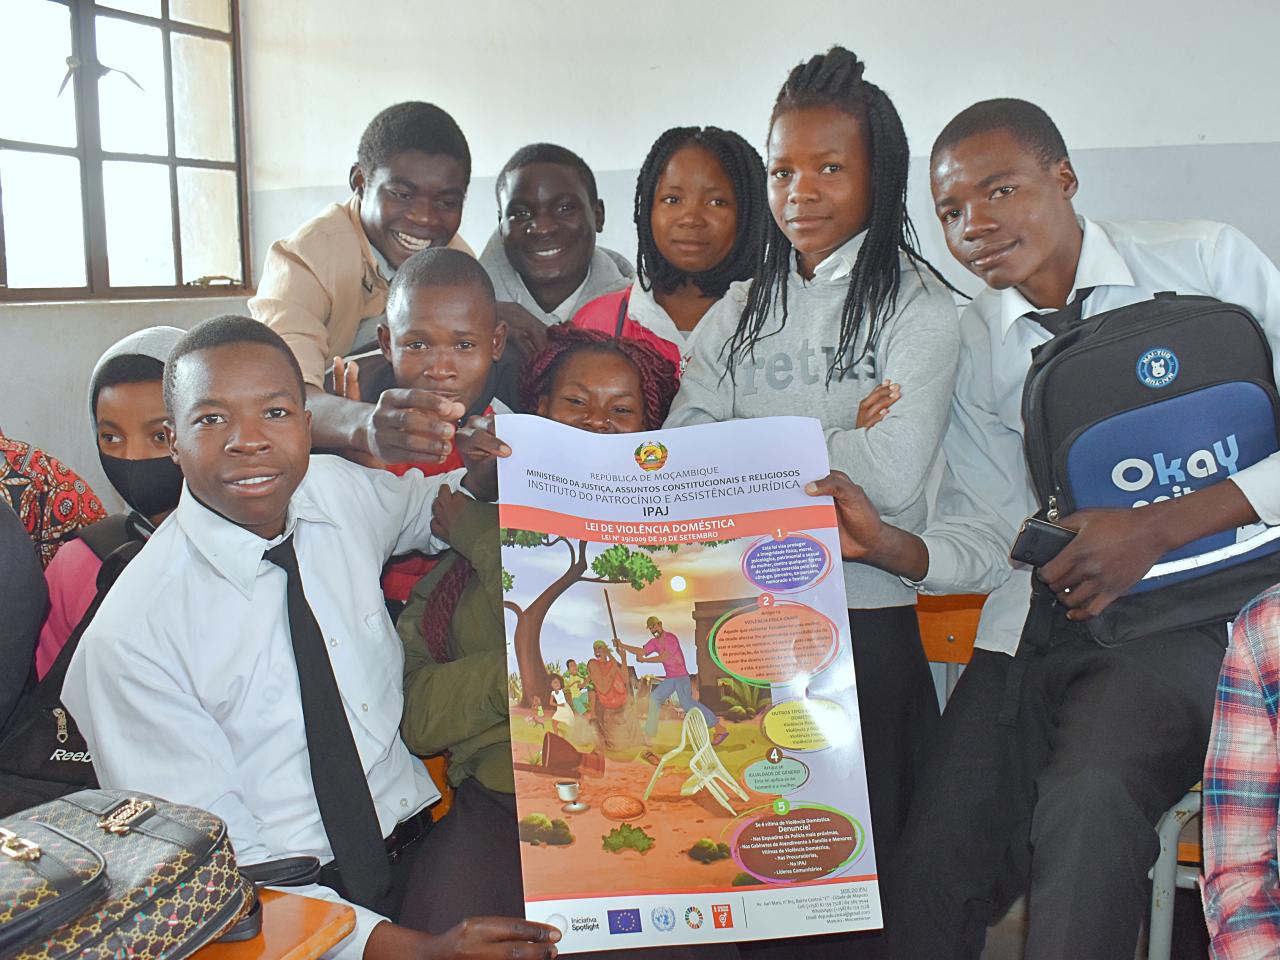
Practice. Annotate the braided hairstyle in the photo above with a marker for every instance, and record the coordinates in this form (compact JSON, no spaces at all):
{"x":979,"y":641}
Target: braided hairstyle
{"x":658,"y":377}
{"x":834,"y":79}
{"x":745,"y":171}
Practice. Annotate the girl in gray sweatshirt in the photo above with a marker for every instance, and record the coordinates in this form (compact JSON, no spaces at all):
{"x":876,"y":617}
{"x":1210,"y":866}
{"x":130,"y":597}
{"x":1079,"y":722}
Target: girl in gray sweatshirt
{"x":842,"y":301}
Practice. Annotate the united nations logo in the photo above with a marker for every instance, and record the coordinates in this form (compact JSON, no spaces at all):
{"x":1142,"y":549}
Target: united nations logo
{"x":693,"y":918}
{"x":651,"y":455}
{"x":1157,"y":367}
{"x":664,"y":919}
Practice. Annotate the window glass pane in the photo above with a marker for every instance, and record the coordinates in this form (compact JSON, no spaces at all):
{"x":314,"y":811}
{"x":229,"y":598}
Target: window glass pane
{"x":148,"y":8}
{"x":210,"y":217}
{"x":215,"y":14}
{"x":202,"y":119}
{"x":133,"y":119}
{"x":139,"y":224}
{"x":43,"y":219}
{"x":35,"y":41}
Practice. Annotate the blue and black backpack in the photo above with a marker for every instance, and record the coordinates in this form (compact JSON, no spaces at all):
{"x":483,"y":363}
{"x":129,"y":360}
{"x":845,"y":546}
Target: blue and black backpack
{"x":1150,"y":402}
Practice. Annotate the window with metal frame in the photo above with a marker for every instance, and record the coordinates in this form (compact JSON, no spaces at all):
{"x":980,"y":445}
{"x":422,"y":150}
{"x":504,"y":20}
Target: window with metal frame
{"x":121,"y":150}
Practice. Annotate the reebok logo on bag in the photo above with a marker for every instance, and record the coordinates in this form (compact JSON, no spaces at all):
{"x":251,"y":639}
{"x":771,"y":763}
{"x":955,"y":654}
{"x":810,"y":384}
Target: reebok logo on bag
{"x":1148,"y":403}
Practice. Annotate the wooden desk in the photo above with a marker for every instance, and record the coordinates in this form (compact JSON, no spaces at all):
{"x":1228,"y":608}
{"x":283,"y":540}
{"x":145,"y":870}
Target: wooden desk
{"x":293,"y":928}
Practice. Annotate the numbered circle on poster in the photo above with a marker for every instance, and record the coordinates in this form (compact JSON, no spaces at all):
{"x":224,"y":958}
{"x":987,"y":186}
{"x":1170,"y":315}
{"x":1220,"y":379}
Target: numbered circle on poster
{"x":786,"y":563}
{"x":783,"y":776}
{"x":774,"y":642}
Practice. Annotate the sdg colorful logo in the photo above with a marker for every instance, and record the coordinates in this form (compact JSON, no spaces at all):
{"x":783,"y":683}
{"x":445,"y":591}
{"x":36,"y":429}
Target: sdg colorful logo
{"x":1157,"y":367}
{"x":651,"y":455}
{"x":693,"y":918}
{"x":664,"y":919}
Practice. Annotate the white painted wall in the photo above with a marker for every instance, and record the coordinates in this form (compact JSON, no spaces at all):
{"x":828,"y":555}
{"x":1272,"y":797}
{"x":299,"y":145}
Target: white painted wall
{"x":1153,"y":96}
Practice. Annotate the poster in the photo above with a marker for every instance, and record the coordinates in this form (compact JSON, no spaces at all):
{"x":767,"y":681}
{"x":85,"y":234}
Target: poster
{"x":684,"y":719}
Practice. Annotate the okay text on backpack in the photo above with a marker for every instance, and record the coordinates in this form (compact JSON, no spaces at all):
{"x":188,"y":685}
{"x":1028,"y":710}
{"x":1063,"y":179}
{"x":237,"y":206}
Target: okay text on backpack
{"x":1147,"y":403}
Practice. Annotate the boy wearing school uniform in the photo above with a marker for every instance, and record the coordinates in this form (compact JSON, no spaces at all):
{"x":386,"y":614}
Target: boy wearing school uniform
{"x":543,"y":257}
{"x":324,"y":289}
{"x":266,"y":686}
{"x":1052,"y":770}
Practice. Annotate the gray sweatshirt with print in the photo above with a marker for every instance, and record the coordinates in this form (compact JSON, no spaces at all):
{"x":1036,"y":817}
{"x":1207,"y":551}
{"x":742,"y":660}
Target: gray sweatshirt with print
{"x":917,"y":347}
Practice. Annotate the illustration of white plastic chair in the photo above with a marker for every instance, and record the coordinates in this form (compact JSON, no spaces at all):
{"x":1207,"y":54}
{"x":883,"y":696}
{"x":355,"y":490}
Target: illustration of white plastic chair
{"x":706,"y":771}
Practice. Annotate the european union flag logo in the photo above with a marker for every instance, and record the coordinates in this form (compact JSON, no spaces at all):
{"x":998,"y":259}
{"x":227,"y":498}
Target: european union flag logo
{"x":624,"y":921}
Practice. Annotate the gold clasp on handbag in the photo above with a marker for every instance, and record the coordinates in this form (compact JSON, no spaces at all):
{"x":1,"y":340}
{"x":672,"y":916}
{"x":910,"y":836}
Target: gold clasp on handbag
{"x":17,"y":848}
{"x":123,"y":817}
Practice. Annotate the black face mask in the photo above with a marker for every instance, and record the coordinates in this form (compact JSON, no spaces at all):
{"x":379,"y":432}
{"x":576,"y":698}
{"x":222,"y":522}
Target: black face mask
{"x":148,"y":486}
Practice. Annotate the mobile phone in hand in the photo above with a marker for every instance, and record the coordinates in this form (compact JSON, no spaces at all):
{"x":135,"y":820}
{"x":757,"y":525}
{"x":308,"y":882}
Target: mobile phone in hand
{"x":1039,"y":541}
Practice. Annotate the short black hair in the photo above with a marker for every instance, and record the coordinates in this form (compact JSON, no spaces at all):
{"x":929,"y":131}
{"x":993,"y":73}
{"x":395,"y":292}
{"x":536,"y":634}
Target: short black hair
{"x":412,"y":125}
{"x":439,"y":267}
{"x":1028,"y":124}
{"x":745,"y":170}
{"x":222,"y":332}
{"x":546,"y":153}
{"x":125,"y":368}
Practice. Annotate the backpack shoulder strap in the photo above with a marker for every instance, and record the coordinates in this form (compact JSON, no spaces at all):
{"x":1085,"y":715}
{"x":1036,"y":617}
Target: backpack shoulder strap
{"x":106,"y":535}
{"x":623,"y":304}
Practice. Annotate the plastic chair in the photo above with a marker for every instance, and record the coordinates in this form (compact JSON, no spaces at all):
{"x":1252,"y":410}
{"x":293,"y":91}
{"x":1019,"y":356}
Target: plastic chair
{"x":706,"y":771}
{"x":1168,"y":875}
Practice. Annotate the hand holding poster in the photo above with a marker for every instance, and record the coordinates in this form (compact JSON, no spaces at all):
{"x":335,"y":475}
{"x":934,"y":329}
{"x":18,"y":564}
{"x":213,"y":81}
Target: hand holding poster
{"x":684,"y":718}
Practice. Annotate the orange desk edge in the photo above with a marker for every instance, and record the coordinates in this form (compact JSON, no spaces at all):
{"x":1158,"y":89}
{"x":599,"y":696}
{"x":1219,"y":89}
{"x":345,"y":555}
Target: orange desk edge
{"x":293,"y":928}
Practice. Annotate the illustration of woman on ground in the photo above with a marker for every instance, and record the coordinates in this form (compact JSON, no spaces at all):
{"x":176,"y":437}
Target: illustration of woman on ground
{"x":664,"y":648}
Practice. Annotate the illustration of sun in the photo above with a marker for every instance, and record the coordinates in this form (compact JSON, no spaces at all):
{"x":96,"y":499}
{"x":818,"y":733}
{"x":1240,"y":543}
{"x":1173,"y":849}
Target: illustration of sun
{"x":678,"y":583}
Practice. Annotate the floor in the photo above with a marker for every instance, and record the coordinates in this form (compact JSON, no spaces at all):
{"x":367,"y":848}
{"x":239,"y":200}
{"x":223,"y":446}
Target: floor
{"x":1190,"y":941}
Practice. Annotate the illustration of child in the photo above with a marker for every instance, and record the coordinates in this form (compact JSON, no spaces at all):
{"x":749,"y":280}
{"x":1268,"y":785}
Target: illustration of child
{"x":575,"y":685}
{"x":539,"y":714}
{"x":562,"y":714}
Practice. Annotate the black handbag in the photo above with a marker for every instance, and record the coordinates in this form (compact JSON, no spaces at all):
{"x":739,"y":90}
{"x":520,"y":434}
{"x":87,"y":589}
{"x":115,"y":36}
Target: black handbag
{"x":103,"y":874}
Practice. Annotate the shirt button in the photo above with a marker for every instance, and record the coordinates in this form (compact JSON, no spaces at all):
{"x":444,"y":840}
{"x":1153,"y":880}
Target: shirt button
{"x":333,"y":641}
{"x":404,"y":802}
{"x":364,"y":707}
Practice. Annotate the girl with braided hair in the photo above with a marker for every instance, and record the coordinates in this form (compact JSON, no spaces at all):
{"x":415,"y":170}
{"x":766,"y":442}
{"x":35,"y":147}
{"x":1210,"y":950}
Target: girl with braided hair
{"x":454,"y":625}
{"x":842,"y":303}
{"x":700,"y":214}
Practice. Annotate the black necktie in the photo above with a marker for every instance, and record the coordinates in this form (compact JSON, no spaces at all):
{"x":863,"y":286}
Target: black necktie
{"x":1064,"y":319}
{"x":337,"y":776}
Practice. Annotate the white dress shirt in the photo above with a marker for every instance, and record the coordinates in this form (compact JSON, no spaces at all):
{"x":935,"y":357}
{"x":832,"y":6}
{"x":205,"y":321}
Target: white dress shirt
{"x":646,"y":311}
{"x":986,"y":491}
{"x":185,"y":684}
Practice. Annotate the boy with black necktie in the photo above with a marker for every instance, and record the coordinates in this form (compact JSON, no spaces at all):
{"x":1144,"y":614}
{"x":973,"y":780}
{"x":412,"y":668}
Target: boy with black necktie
{"x":271,"y":642}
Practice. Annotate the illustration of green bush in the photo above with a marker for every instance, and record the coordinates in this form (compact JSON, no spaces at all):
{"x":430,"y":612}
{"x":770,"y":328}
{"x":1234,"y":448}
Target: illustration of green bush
{"x":514,"y":690}
{"x":627,"y":837}
{"x":745,"y":879}
{"x":537,"y":828}
{"x":743,"y":700}
{"x":707,"y":850}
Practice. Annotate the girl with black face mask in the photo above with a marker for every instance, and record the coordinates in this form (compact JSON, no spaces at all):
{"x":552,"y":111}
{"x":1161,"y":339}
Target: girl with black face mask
{"x":126,"y":408}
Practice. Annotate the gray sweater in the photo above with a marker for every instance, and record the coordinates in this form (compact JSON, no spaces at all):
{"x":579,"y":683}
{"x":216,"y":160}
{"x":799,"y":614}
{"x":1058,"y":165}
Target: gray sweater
{"x":609,"y":271}
{"x":917,"y":347}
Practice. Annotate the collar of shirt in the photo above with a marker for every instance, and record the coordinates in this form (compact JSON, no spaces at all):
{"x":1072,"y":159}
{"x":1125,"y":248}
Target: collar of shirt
{"x":837,"y":265}
{"x":384,"y":268}
{"x":1100,"y":265}
{"x":565,"y":311}
{"x":231,"y":549}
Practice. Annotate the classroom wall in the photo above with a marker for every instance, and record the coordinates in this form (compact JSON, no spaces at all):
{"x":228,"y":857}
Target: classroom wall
{"x":1164,"y":103}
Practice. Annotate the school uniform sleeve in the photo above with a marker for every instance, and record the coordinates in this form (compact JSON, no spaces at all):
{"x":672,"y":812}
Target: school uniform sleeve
{"x":1242,"y":792}
{"x":891,"y":461}
{"x":983,"y":484}
{"x":398,"y":511}
{"x":1238,"y":272}
{"x":706,"y":389}
{"x":446,"y":703}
